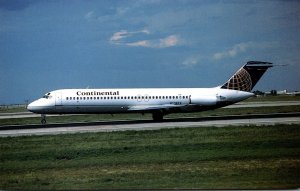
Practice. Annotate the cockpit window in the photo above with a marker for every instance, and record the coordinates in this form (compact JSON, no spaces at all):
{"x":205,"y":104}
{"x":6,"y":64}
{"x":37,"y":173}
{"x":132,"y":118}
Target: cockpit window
{"x":47,"y":96}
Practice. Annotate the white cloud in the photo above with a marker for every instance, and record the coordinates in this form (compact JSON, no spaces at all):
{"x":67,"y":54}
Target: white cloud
{"x":119,"y":36}
{"x":230,"y":53}
{"x":124,"y":37}
{"x":89,"y":15}
{"x":169,"y":41}
{"x":236,"y":49}
{"x":143,"y":43}
{"x":191,"y":61}
{"x":243,"y":47}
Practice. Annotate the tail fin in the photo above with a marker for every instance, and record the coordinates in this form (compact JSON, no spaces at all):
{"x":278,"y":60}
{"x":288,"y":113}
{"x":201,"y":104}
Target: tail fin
{"x":247,"y":76}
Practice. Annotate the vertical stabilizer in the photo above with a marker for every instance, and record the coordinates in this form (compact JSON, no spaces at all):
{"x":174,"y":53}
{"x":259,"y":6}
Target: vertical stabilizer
{"x":247,"y":76}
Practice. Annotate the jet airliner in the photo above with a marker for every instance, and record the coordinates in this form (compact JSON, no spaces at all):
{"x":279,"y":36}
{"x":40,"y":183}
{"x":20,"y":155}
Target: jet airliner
{"x":158,"y":101}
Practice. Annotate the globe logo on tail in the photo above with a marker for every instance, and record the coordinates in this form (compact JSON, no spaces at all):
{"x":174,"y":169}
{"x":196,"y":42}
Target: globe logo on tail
{"x":240,"y":81}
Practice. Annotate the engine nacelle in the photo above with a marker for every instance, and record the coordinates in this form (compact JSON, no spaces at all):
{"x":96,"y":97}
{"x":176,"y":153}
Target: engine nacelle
{"x":204,"y":100}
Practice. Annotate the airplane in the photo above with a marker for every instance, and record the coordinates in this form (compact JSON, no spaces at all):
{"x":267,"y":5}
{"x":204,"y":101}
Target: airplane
{"x":158,"y":101}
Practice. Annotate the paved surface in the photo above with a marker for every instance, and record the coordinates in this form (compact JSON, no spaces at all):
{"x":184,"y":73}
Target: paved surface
{"x":263,"y":104}
{"x":20,"y":115}
{"x":111,"y":126}
{"x":237,"y":105}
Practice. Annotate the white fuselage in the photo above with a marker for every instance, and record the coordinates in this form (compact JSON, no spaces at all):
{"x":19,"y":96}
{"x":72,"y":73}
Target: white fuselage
{"x":166,"y":100}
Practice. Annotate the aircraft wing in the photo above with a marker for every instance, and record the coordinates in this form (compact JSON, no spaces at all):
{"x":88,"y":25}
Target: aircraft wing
{"x":153,"y":107}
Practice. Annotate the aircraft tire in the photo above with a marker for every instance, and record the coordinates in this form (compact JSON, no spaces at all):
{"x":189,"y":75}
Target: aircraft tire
{"x":43,"y":121}
{"x":157,"y":116}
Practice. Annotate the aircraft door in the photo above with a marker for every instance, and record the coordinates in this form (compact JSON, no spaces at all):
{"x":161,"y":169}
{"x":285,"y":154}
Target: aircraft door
{"x":58,"y":99}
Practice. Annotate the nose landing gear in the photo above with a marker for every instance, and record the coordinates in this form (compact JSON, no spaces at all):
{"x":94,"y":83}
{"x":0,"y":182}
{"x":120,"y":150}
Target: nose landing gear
{"x":43,"y":120}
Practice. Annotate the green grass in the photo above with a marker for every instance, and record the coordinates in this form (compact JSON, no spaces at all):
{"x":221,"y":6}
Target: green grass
{"x":248,"y":157}
{"x":10,"y":109}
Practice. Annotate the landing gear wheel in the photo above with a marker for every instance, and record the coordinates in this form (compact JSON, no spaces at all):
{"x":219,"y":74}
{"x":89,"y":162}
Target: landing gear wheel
{"x":43,"y":120}
{"x":158,"y":116}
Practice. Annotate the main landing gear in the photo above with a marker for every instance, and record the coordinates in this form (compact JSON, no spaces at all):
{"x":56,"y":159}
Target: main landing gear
{"x":158,"y":116}
{"x":43,"y":120}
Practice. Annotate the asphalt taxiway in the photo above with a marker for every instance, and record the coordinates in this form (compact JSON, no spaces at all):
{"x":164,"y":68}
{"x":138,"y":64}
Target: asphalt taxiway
{"x":138,"y":125}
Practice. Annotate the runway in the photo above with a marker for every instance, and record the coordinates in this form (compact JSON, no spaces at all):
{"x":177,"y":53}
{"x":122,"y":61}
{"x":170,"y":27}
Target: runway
{"x":263,"y":104}
{"x":54,"y":129}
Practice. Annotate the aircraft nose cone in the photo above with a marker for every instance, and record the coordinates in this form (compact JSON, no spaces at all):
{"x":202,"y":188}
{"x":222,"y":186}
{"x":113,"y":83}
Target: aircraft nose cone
{"x":31,"y":107}
{"x":40,"y":106}
{"x":36,"y":106}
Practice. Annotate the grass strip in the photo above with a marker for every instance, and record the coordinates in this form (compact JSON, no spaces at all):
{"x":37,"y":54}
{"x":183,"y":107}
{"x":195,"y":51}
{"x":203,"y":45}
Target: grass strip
{"x":247,"y":157}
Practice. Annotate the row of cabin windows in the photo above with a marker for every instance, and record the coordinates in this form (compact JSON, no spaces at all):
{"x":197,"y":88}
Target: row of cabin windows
{"x":127,"y":97}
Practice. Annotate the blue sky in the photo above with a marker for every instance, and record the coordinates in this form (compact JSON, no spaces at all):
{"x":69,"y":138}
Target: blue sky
{"x":54,"y":44}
